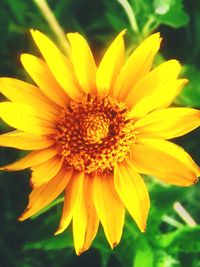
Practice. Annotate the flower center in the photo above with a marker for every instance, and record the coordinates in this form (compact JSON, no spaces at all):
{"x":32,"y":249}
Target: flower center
{"x":94,"y":134}
{"x":95,"y":127}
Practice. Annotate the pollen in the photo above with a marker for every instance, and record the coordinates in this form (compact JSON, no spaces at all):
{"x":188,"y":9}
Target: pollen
{"x":94,"y":134}
{"x":95,"y":127}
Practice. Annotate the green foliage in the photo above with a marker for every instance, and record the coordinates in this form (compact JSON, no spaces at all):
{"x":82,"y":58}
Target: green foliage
{"x":161,"y":246}
{"x":171,"y":13}
{"x":52,"y":243}
{"x":149,"y":15}
{"x":32,"y":243}
{"x":190,"y":96}
{"x":176,"y":240}
{"x":144,"y":254}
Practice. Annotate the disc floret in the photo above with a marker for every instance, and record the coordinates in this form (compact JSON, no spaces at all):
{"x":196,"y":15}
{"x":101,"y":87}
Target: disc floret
{"x":94,"y":134}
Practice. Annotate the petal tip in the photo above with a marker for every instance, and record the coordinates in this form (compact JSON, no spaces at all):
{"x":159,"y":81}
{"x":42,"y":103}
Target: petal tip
{"x":59,"y":230}
{"x":113,"y":244}
{"x":155,"y":38}
{"x":71,"y":34}
{"x":175,"y":62}
{"x":122,"y":33}
{"x":156,"y":35}
{"x":142,"y":227}
{"x":185,"y":81}
{"x":33,"y":32}
{"x":22,"y":216}
{"x":4,"y":168}
{"x":143,"y":230}
{"x":80,"y":251}
{"x":22,"y":57}
{"x":196,"y":180}
{"x":36,"y":34}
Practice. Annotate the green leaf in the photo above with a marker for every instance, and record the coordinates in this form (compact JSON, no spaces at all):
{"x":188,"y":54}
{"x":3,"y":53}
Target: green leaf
{"x":163,"y":259}
{"x":161,"y":205}
{"x":105,"y":257}
{"x":190,"y":95}
{"x":171,"y":13}
{"x":19,"y":9}
{"x":53,"y":243}
{"x":160,"y":197}
{"x":144,"y":256}
{"x":100,"y":243}
{"x":183,"y":240}
{"x":125,"y":250}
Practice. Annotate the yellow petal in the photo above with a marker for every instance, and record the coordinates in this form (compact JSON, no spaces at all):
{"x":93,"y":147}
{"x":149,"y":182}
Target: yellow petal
{"x":137,"y":66}
{"x":174,"y":91}
{"x":26,"y":118}
{"x":40,"y":73}
{"x":45,"y":171}
{"x":165,"y":160}
{"x":110,"y":65}
{"x":161,"y":97}
{"x":133,"y":193}
{"x":72,"y":196}
{"x":83,"y":62}
{"x":33,"y":158}
{"x":22,"y":92}
{"x":109,"y":208}
{"x":58,"y":64}
{"x":25,"y":141}
{"x":42,"y":196}
{"x":168,"y":123}
{"x":85,"y":220}
{"x":167,"y":71}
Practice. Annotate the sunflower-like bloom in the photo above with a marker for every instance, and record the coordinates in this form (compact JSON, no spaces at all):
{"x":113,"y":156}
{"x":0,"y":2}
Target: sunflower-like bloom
{"x":94,"y":130}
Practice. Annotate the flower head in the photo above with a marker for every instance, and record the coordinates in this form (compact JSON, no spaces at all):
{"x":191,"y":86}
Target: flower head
{"x":94,"y":130}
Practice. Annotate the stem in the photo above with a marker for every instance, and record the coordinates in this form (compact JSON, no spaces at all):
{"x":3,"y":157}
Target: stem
{"x":130,"y":14}
{"x":129,"y":226}
{"x":53,"y":23}
{"x":172,"y":221}
{"x":147,"y":29}
{"x":186,"y":217}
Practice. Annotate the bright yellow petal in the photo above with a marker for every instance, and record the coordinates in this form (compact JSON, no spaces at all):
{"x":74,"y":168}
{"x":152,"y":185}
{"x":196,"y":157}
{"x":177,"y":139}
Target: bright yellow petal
{"x":137,"y":66}
{"x":109,"y":208}
{"x":45,"y":171}
{"x":72,"y":196}
{"x":133,"y":193}
{"x":85,"y":220}
{"x":22,"y":92}
{"x":161,"y":97}
{"x":40,"y":73}
{"x":164,"y":73}
{"x":83,"y":62}
{"x":168,"y":123}
{"x":58,"y":64}
{"x":110,"y":65}
{"x":42,"y":196}
{"x":165,"y":160}
{"x":26,"y":118}
{"x":33,"y":158}
{"x":174,"y":91}
{"x":25,"y":141}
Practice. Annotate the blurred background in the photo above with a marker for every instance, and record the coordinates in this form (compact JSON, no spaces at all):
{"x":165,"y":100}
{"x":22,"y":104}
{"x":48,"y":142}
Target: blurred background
{"x":169,"y":240}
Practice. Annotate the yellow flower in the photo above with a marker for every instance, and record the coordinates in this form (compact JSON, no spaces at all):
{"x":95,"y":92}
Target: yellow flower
{"x":94,"y":129}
